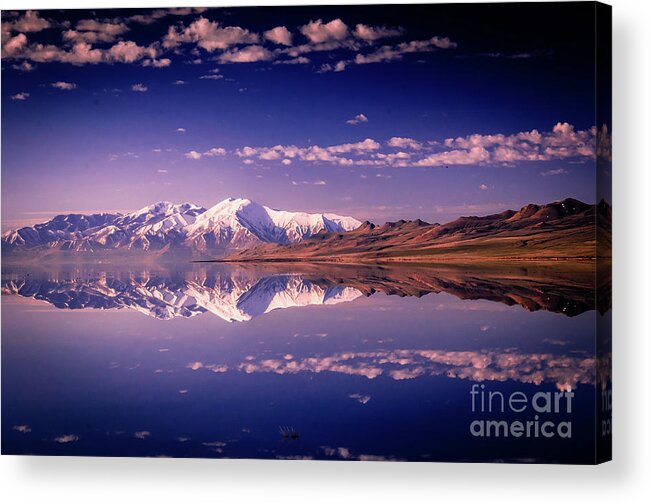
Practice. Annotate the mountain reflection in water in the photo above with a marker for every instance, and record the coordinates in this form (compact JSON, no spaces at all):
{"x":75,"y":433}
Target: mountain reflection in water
{"x":243,"y":293}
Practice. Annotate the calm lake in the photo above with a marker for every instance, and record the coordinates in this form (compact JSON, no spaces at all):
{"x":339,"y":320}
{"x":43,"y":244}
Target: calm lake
{"x":291,"y":361}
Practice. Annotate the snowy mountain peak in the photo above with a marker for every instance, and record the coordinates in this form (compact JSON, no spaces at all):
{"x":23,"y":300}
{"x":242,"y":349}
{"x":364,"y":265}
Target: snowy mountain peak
{"x":186,"y":229}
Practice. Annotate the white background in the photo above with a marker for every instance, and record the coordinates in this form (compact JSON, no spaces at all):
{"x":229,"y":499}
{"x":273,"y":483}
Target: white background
{"x":627,"y":479}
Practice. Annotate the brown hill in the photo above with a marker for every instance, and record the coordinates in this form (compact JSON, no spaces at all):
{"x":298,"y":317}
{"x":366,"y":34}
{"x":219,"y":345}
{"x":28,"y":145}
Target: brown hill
{"x":557,"y":231}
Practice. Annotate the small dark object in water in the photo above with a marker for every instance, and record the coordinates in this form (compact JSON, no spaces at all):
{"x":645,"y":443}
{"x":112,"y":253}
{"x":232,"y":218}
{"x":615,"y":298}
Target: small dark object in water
{"x":288,"y":432}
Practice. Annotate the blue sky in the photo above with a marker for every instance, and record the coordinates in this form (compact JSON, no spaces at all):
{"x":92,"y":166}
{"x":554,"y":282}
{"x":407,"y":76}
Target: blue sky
{"x":380,"y":113}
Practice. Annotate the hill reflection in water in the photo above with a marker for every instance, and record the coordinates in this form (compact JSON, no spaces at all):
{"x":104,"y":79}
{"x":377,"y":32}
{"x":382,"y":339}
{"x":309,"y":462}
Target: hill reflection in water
{"x":241,"y":293}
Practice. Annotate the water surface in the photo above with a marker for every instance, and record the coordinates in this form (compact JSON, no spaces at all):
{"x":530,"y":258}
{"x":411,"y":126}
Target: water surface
{"x":294,"y":361}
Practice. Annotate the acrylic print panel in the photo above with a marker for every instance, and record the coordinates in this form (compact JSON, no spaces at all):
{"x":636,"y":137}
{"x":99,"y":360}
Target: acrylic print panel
{"x":344,"y":233}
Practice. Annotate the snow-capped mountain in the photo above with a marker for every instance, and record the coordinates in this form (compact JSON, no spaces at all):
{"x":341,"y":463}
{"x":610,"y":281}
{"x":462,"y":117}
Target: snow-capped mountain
{"x":167,"y":228}
{"x":240,"y":223}
{"x":231,"y":298}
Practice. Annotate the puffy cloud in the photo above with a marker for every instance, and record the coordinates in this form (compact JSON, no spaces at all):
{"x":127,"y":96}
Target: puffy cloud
{"x":193,"y":155}
{"x":317,"y":31}
{"x":66,"y":438}
{"x":139,"y":88}
{"x":366,"y":145}
{"x":20,"y":96}
{"x":359,"y":118}
{"x":89,"y":36}
{"x":23,"y":429}
{"x":373,"y":33}
{"x":279,"y":35}
{"x":248,"y":54}
{"x":92,"y":31}
{"x":80,"y":53}
{"x":476,"y":155}
{"x":141,"y":434}
{"x":180,"y":130}
{"x":404,"y":143}
{"x":340,"y":66}
{"x":564,"y":141}
{"x":28,"y":22}
{"x":14,"y":45}
{"x":65,"y":86}
{"x":209,"y":35}
{"x":179,"y":82}
{"x":157,"y":63}
{"x":215,"y":151}
{"x":128,"y":52}
{"x":483,"y":187}
{"x":314,"y":153}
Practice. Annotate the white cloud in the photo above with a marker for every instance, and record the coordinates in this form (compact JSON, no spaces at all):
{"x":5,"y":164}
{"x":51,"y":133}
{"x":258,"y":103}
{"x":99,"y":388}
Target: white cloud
{"x":563,"y":142}
{"x":209,"y":35}
{"x":248,"y":54}
{"x":279,"y":35}
{"x":179,"y":82}
{"x":13,"y":45}
{"x":28,"y":22}
{"x":476,"y":155}
{"x":139,"y":88}
{"x":373,"y":33}
{"x":215,"y":151}
{"x":320,"y":182}
{"x":286,"y":162}
{"x":128,"y":52}
{"x":483,"y":187}
{"x":20,"y":96}
{"x":141,"y":434}
{"x":359,"y":118}
{"x":318,"y":32}
{"x":180,"y":130}
{"x":211,"y":77}
{"x":404,"y":143}
{"x":66,"y":86}
{"x":66,"y":438}
{"x":157,"y":63}
{"x":23,"y":429}
{"x":193,"y":155}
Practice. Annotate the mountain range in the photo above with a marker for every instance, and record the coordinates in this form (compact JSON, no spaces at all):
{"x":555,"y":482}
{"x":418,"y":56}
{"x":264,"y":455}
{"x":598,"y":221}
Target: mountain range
{"x":240,"y":230}
{"x":167,"y":229}
{"x":562,"y":230}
